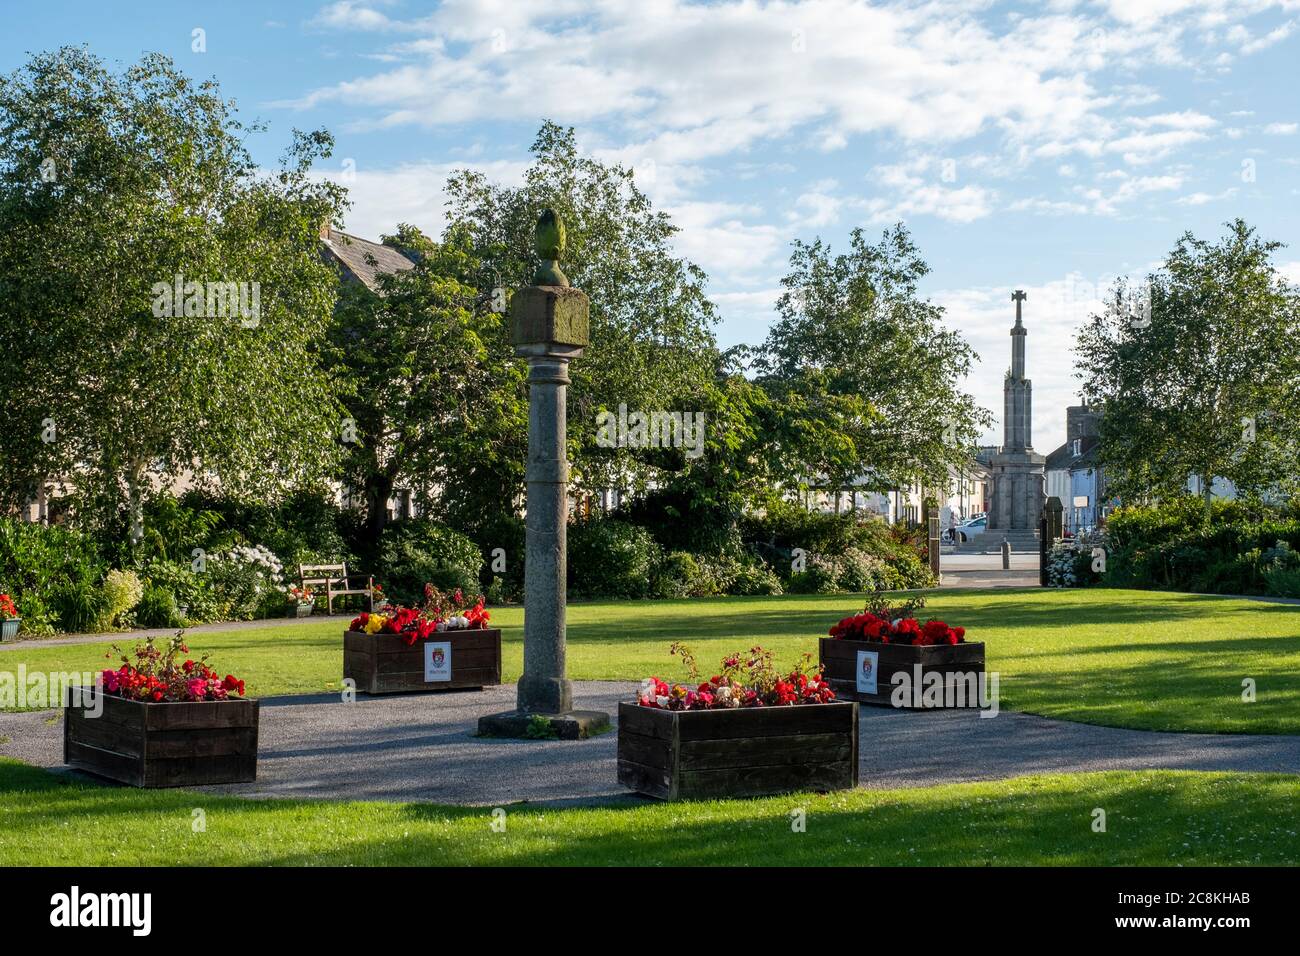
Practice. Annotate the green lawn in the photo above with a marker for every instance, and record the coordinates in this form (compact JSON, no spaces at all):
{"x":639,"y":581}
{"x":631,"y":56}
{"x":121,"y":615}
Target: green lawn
{"x":1142,"y":659}
{"x":1156,"y":818}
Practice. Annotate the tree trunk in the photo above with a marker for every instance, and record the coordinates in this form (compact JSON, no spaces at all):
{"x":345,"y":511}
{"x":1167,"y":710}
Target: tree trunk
{"x":378,"y":489}
{"x":1207,"y":494}
{"x":135,"y":503}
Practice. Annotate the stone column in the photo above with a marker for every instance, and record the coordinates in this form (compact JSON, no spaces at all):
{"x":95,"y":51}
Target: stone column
{"x":549,"y":328}
{"x":544,"y":687}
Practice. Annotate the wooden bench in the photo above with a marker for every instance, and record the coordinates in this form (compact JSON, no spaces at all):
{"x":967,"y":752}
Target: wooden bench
{"x":330,"y":575}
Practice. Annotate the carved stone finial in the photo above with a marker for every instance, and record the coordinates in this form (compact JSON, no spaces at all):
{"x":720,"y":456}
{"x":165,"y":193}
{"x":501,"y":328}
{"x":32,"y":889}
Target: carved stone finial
{"x":549,"y":242}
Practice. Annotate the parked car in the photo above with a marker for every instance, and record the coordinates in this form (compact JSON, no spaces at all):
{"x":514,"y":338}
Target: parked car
{"x":971,"y":528}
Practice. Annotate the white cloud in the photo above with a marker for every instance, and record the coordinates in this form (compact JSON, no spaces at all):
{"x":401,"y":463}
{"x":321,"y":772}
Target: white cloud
{"x":1281,"y":129}
{"x":1251,"y":44}
{"x":1200,"y":199}
{"x":413,"y":192}
{"x":918,"y":189}
{"x":702,"y":80}
{"x":817,"y":207}
{"x":717,"y":237}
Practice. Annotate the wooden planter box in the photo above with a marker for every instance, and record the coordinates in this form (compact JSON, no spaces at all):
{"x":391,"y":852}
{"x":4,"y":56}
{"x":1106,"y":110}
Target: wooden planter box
{"x":385,"y":664}
{"x":746,"y":752}
{"x":955,"y":662}
{"x":161,"y":745}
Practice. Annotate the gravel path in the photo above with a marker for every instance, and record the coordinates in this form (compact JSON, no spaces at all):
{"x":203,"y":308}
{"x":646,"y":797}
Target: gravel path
{"x":420,"y":747}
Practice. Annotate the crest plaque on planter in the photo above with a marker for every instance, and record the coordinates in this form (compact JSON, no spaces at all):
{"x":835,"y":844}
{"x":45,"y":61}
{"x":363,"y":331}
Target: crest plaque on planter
{"x":868,"y":671}
{"x":437,"y":661}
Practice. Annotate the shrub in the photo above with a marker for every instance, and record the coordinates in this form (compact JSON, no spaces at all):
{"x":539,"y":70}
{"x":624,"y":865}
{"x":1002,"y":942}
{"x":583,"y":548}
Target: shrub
{"x":45,"y":568}
{"x":157,"y":608}
{"x":755,"y":578}
{"x":80,"y":605}
{"x":1171,"y":547}
{"x":418,"y":552}
{"x":611,"y":558}
{"x":189,"y":590}
{"x":1281,"y":565}
{"x":679,"y":575}
{"x":497,"y":592}
{"x":1063,"y":565}
{"x":854,"y":552}
{"x":122,"y":592}
{"x":818,"y":577}
{"x":243,"y":580}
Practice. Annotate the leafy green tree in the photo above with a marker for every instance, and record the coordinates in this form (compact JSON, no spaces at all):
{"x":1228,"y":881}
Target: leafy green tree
{"x":113,"y":185}
{"x":866,"y":375}
{"x":1205,"y":381}
{"x":436,"y":403}
{"x":651,"y":323}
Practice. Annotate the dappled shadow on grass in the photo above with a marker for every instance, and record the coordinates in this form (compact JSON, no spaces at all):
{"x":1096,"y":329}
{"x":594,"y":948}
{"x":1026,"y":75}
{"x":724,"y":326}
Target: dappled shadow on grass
{"x":1196,"y":689}
{"x":1152,"y":819}
{"x":1038,"y":821}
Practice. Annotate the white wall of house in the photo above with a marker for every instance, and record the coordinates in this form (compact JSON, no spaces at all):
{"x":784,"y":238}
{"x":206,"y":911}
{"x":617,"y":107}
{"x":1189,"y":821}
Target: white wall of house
{"x":1058,"y":485}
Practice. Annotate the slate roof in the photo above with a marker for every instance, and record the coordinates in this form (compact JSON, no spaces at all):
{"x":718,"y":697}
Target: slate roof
{"x":1062,"y":459}
{"x":354,"y":254}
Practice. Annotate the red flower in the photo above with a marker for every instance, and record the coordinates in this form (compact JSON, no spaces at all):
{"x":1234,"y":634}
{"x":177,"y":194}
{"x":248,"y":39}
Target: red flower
{"x":478,"y":615}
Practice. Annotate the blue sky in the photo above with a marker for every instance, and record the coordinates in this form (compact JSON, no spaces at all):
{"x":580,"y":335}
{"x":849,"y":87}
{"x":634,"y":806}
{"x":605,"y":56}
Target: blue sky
{"x":1047,"y":146}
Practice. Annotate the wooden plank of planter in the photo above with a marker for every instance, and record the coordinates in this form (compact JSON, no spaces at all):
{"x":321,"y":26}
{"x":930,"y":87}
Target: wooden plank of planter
{"x":228,"y":742}
{"x":730,"y":753}
{"x":103,"y":734}
{"x":764,"y":781}
{"x":652,"y":781}
{"x":105,"y":763}
{"x":741,"y":752}
{"x":385,"y":663}
{"x":198,"y":771}
{"x":201,"y":715}
{"x":762,"y":721}
{"x":648,"y":751}
{"x":636,"y":719}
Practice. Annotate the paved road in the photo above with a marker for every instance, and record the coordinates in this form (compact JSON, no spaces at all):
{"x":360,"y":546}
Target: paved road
{"x":420,"y":748}
{"x":985,"y":571}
